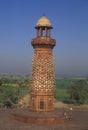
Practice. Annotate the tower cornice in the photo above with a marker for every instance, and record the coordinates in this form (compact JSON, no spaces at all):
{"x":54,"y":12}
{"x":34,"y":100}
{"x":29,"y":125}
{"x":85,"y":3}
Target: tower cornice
{"x":43,"y":41}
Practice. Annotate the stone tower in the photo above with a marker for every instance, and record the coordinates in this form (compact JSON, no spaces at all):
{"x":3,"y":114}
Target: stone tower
{"x":42,"y":79}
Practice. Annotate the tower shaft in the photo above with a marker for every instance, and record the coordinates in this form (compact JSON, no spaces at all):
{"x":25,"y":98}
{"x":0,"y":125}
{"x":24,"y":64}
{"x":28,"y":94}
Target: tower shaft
{"x":42,"y":78}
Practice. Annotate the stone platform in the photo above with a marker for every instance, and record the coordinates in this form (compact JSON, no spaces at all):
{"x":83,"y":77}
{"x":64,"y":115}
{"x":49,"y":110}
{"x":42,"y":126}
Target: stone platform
{"x":79,"y":120}
{"x":27,"y":116}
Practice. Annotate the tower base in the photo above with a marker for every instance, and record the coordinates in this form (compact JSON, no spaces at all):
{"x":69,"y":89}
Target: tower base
{"x":45,"y":118}
{"x":41,"y":102}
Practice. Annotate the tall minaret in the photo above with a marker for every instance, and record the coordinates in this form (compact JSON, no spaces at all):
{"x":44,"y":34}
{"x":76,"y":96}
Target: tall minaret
{"x":42,"y":79}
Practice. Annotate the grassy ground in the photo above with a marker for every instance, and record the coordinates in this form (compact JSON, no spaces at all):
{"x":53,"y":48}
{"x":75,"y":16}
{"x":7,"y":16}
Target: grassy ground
{"x":61,"y":94}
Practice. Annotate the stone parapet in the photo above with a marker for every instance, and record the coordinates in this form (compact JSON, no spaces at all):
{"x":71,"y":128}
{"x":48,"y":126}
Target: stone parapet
{"x":43,"y":41}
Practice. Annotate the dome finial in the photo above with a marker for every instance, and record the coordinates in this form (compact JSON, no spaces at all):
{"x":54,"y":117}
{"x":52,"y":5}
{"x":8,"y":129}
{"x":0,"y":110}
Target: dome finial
{"x":43,"y":22}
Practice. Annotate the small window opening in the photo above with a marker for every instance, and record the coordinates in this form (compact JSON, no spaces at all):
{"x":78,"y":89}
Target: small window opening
{"x":41,"y":104}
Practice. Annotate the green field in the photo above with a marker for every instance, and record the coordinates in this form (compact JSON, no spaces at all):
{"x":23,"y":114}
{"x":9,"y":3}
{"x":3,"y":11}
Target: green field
{"x":61,"y":94}
{"x":19,"y":86}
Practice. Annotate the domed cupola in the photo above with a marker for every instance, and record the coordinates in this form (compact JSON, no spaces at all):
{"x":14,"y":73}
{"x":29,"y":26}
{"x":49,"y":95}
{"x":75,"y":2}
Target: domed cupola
{"x":43,"y":27}
{"x":43,"y":22}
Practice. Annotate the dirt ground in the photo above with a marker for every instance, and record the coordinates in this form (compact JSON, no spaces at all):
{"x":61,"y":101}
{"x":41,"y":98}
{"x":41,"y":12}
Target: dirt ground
{"x":79,"y":121}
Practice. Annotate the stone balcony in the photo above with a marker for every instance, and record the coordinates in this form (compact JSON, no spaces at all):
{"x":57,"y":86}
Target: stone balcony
{"x":43,"y":41}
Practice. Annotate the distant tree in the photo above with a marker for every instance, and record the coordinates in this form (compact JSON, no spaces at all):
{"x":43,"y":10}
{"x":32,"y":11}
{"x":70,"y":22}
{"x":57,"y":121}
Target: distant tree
{"x":78,"y":92}
{"x":11,"y":96}
{"x":4,"y":80}
{"x":1,"y":86}
{"x":0,"y":82}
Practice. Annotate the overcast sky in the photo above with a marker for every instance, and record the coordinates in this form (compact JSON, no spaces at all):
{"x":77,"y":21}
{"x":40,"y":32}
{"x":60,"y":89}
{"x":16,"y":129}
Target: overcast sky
{"x":70,"y":21}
